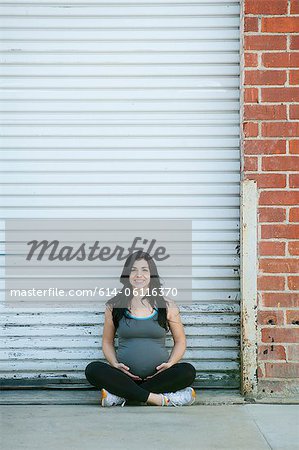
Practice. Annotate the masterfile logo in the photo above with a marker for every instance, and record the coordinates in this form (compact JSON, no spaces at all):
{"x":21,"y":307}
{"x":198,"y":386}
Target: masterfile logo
{"x":93,"y":252}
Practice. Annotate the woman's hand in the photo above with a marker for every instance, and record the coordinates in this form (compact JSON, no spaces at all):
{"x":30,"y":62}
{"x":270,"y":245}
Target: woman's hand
{"x":126,"y":369}
{"x":161,"y":368}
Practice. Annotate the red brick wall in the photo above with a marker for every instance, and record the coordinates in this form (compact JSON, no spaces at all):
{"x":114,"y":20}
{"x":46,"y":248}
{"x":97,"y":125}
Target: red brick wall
{"x":270,"y":148}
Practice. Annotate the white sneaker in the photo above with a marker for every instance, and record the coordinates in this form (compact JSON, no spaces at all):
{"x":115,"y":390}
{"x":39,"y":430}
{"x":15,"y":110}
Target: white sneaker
{"x":183,"y":397}
{"x":109,"y":399}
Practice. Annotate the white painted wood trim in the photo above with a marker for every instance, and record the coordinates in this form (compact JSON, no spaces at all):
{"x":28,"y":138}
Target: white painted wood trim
{"x":248,"y":274}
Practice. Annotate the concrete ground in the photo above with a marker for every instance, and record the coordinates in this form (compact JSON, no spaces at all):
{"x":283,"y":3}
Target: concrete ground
{"x":209,"y":425}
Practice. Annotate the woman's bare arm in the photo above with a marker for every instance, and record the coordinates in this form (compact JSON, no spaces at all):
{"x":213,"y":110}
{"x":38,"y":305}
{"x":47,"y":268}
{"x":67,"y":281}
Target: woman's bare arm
{"x":177,"y":331}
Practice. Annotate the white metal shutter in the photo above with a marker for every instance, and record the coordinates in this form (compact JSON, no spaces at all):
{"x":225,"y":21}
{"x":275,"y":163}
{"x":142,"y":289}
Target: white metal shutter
{"x":124,"y":109}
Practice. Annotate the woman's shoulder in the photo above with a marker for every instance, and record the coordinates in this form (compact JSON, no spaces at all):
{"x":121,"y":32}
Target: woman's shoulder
{"x":171,"y":307}
{"x":170,"y":302}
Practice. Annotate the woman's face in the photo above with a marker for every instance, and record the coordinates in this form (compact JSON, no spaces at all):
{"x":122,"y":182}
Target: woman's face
{"x":140,"y":274}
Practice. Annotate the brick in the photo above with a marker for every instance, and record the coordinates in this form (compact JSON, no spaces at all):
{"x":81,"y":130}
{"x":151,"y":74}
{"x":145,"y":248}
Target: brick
{"x":294,"y":215}
{"x":287,"y":231}
{"x":252,"y":147}
{"x":280,"y":335}
{"x":293,"y":352}
{"x":279,"y":265}
{"x":270,"y":317}
{"x":281,"y":163}
{"x":250,"y":163}
{"x":294,"y":7}
{"x":264,"y":146}
{"x":264,"y":42}
{"x":286,"y":94}
{"x":271,"y":352}
{"x":283,"y":129}
{"x":250,"y":129}
{"x":265,"y":77}
{"x":273,"y":248}
{"x":294,"y":112}
{"x":277,"y":388}
{"x":265,"y":112}
{"x":272,"y":215}
{"x":281,"y":370}
{"x":294,"y":146}
{"x":279,"y":198}
{"x":250,"y":59}
{"x":280,"y":299}
{"x":286,"y":59}
{"x":265,"y":283}
{"x":251,"y":95}
{"x":271,"y":7}
{"x":294,"y":76}
{"x":294,"y":180}
{"x":294,"y":44}
{"x":251,"y":24}
{"x":292,"y":317}
{"x":280,"y":24}
{"x":267,"y":180}
{"x":260,"y":372}
{"x":293,"y":248}
{"x":293,"y":283}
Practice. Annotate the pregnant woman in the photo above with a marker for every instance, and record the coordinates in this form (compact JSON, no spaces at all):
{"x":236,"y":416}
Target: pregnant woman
{"x":142,"y":369}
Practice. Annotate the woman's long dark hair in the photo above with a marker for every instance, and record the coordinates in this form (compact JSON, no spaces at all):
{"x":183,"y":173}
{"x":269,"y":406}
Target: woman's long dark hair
{"x":123,"y":299}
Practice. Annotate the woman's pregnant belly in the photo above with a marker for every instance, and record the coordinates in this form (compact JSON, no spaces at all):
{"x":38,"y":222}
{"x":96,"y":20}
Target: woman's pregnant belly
{"x":142,"y":356}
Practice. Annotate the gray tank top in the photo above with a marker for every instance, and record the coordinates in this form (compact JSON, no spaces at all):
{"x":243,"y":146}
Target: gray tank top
{"x":141,"y":343}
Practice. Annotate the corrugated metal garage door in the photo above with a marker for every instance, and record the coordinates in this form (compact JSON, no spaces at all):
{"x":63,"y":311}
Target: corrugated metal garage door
{"x":124,"y":110}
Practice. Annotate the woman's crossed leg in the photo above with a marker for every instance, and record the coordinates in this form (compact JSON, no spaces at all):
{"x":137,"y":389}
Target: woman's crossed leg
{"x":102,"y":375}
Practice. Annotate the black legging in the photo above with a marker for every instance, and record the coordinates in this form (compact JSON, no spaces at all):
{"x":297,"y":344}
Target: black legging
{"x":102,"y":375}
